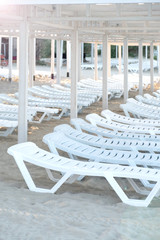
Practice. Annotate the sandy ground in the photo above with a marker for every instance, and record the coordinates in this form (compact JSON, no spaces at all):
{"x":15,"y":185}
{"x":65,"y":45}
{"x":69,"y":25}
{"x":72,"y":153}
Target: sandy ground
{"x":87,"y":210}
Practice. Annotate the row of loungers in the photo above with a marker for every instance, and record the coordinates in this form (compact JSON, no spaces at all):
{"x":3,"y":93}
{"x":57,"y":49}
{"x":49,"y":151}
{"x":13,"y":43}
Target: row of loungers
{"x":111,"y":146}
{"x":44,"y":103}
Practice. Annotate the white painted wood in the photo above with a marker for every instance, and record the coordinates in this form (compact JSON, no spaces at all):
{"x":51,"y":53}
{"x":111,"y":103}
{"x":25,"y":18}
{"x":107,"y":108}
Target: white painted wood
{"x":52,"y":57}
{"x":58,"y":61}
{"x":79,"y":61}
{"x":28,"y":2}
{"x":0,"y":48}
{"x":10,"y":58}
{"x":31,"y":61}
{"x":74,"y":73}
{"x":68,"y":58}
{"x":18,"y":53}
{"x":105,"y":73}
{"x":140,"y":53}
{"x":125,"y":58}
{"x":95,"y":62}
{"x":109,"y":60}
{"x":119,"y":59}
{"x":151,"y":67}
{"x":82,"y":52}
{"x":158,"y":56}
{"x":61,"y":53}
{"x":23,"y":83}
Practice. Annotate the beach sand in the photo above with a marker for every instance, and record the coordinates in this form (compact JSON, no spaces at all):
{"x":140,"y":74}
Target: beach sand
{"x":86,"y":210}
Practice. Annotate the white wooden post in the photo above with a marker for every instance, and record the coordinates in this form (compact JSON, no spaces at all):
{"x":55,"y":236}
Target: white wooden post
{"x":52,"y":57}
{"x":79,"y":61}
{"x":31,"y":61}
{"x":119,"y":59}
{"x":68,"y":57}
{"x":74,"y":73}
{"x":82,"y":53}
{"x":95,"y":62}
{"x":105,"y":73}
{"x":158,"y":59}
{"x":0,"y":48}
{"x":23,"y":83}
{"x":140,"y":68}
{"x":151,"y":67}
{"x":109,"y":60}
{"x":18,"y":53}
{"x":58,"y":58}
{"x":10,"y":58}
{"x":61,"y":53}
{"x":125,"y":59}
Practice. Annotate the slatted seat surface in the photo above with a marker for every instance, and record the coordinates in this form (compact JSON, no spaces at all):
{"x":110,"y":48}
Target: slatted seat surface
{"x":95,"y":119}
{"x":128,"y":120}
{"x":139,"y":111}
{"x":107,"y":143}
{"x":60,"y":141}
{"x":29,"y":152}
{"x":81,"y":124}
{"x":32,"y":154}
{"x":8,"y":123}
{"x":54,"y":102}
{"x":40,"y":91}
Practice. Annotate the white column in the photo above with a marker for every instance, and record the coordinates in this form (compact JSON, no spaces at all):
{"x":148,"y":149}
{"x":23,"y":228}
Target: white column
{"x":58,"y":58}
{"x":68,"y":57}
{"x":95,"y":62}
{"x":158,"y":60}
{"x":116,"y":52}
{"x":74,"y":73}
{"x":0,"y":48}
{"x":82,"y":52}
{"x":125,"y":59}
{"x":52,"y":57}
{"x":79,"y":61}
{"x":119,"y":59}
{"x":23,"y":83}
{"x":10,"y":58}
{"x":140,"y":68}
{"x":105,"y":73}
{"x":61,"y":53}
{"x":151,"y":67}
{"x":109,"y":60}
{"x":18,"y":53}
{"x":31,"y":61}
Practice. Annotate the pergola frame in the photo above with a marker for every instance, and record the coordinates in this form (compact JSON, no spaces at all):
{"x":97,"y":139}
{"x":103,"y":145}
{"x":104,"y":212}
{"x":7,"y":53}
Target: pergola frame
{"x":105,"y":21}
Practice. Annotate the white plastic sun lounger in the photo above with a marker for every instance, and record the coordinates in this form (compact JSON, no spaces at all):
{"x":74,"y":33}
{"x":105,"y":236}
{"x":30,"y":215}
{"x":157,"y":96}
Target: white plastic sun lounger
{"x":40,"y":106}
{"x":143,"y":110}
{"x":29,"y":152}
{"x":148,"y":99}
{"x":59,"y":96}
{"x":46,"y":113}
{"x":7,"y":127}
{"x":82,"y":125}
{"x":139,"y":111}
{"x":108,"y":143}
{"x":89,"y":93}
{"x":95,"y":119}
{"x":128,"y":120}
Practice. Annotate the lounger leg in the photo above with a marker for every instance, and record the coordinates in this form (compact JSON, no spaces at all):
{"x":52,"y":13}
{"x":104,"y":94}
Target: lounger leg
{"x":132,"y":202}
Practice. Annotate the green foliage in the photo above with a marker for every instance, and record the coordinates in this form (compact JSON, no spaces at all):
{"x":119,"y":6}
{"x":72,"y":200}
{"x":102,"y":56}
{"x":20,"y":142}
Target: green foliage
{"x":46,"y":48}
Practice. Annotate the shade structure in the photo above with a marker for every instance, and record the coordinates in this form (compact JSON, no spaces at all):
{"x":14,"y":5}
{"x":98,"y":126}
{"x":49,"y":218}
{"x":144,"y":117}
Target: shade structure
{"x":132,"y":20}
